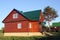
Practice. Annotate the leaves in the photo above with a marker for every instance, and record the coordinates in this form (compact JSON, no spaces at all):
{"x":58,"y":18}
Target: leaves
{"x":49,"y":13}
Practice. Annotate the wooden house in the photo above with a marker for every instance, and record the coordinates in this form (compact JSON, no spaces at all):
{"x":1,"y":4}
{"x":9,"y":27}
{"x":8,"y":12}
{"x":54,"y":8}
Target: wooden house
{"x":19,"y":23}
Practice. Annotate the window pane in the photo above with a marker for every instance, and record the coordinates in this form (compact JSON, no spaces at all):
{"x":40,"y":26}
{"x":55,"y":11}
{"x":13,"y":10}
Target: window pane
{"x":30,"y":25}
{"x":19,"y":25}
{"x":15,"y":15}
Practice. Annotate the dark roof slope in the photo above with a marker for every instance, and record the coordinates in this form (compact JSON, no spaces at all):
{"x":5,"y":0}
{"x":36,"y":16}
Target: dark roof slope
{"x":32,"y":15}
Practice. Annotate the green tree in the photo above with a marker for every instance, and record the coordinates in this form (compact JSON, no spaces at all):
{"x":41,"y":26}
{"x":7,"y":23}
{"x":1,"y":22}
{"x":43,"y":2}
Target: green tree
{"x":49,"y":14}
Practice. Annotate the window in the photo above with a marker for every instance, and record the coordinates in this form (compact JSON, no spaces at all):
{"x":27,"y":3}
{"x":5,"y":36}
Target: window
{"x":19,"y":26}
{"x":30,"y":25}
{"x":15,"y":15}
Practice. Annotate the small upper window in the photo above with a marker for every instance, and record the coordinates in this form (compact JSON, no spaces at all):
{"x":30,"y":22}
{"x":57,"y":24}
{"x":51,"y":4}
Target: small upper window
{"x":15,"y":15}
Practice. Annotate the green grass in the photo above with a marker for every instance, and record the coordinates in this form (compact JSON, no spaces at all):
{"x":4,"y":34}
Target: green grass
{"x":1,"y":34}
{"x":31,"y":38}
{"x":20,"y":38}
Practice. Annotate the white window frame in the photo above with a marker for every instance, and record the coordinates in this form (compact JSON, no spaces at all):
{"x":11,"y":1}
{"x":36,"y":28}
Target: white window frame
{"x":19,"y":26}
{"x":15,"y":15}
{"x":30,"y":25}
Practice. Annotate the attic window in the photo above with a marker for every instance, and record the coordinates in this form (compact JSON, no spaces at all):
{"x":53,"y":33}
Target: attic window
{"x":15,"y":15}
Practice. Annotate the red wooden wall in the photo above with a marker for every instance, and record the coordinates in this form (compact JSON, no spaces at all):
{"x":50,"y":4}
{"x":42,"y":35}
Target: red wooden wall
{"x":12,"y":27}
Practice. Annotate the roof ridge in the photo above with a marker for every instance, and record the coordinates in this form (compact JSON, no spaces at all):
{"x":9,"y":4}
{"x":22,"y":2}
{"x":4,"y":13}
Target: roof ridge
{"x":33,"y":10}
{"x":27,"y":11}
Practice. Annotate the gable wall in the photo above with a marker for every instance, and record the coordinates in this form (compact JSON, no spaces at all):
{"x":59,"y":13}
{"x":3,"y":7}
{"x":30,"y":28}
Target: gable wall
{"x":10,"y":18}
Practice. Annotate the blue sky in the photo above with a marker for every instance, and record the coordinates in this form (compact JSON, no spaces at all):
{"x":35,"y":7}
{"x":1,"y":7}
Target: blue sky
{"x":27,"y":5}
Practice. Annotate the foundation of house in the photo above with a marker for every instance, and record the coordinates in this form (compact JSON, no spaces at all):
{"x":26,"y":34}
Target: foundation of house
{"x":24,"y":34}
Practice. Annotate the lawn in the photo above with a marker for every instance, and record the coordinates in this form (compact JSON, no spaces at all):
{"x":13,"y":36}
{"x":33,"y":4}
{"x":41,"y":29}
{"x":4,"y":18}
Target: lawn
{"x":1,"y":34}
{"x":20,"y":38}
{"x":31,"y":38}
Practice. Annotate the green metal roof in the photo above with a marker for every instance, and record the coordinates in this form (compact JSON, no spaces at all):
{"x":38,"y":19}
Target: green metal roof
{"x":32,"y":15}
{"x":56,"y":24}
